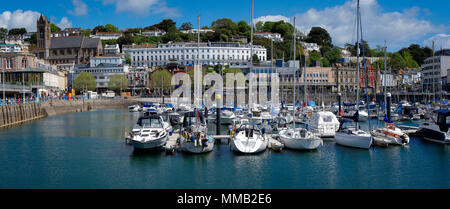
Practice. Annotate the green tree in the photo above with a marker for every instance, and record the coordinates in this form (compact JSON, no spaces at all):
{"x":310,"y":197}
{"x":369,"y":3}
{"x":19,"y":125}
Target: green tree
{"x":166,"y":24}
{"x":54,"y":28}
{"x":396,"y":61}
{"x":128,"y":60}
{"x":186,"y":26}
{"x":333,"y":55}
{"x":84,"y":82}
{"x":225,"y":25}
{"x":255,"y":58}
{"x":111,"y":28}
{"x":243,"y":27}
{"x":17,"y":31}
{"x":125,"y":40}
{"x":259,"y":26}
{"x":172,"y":35}
{"x":363,"y":47}
{"x":32,"y":40}
{"x":319,"y":36}
{"x":99,"y":28}
{"x":161,"y":78}
{"x":3,"y":33}
{"x":118,"y":82}
{"x":409,"y":60}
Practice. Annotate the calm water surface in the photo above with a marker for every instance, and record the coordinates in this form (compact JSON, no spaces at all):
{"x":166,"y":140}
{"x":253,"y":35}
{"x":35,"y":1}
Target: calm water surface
{"x":87,"y":150}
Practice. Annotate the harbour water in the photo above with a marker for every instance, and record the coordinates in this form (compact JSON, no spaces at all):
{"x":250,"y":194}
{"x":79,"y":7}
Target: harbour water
{"x":87,"y":150}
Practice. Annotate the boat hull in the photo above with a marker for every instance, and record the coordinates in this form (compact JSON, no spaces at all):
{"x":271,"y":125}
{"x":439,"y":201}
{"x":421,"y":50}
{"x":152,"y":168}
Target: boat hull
{"x":301,"y":144}
{"x":363,"y":142}
{"x":244,"y":147}
{"x":191,"y":147}
{"x":152,"y":144}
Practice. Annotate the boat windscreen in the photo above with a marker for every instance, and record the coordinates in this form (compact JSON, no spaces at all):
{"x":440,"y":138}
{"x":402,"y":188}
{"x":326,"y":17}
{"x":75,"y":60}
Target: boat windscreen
{"x":150,"y":122}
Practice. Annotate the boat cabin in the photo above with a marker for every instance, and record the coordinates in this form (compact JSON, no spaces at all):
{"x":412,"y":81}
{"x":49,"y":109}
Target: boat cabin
{"x":443,"y":119}
{"x":191,"y":118}
{"x":150,"y":121}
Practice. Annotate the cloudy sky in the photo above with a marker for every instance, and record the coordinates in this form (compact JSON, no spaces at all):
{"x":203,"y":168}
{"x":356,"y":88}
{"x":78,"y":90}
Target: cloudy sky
{"x":399,"y":22}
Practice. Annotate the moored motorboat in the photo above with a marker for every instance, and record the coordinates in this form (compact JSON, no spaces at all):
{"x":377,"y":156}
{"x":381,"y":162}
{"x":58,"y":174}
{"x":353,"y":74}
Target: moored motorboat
{"x":151,"y":134}
{"x":299,"y":138}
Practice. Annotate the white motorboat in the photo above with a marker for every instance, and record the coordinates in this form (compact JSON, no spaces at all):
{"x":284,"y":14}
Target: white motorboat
{"x":323,"y":124}
{"x":134,"y":108}
{"x":299,"y":138}
{"x":151,"y":135}
{"x":248,"y":139}
{"x":437,"y":131}
{"x":227,"y":116}
{"x":389,"y":135}
{"x":194,"y":137}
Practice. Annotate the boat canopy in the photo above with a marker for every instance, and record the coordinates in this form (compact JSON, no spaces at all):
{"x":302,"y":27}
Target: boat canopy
{"x":149,"y":104}
{"x":168,"y":105}
{"x":442,"y":112}
{"x":348,"y":104}
{"x":311,"y":103}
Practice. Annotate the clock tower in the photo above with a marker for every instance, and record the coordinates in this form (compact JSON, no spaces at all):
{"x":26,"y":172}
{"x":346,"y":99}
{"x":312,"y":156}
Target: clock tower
{"x":43,"y":37}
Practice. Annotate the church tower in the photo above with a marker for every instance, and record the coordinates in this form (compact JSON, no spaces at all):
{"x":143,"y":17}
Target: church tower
{"x":43,"y":37}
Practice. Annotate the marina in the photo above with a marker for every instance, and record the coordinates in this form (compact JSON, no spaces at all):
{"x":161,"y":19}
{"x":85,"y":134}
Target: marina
{"x":99,"y":158}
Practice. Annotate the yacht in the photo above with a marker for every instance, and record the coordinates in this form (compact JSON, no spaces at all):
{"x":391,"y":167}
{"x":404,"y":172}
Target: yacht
{"x":323,"y":124}
{"x":353,"y":136}
{"x":299,"y":138}
{"x":151,"y":133}
{"x":194,"y":137}
{"x":248,"y":139}
{"x":437,"y":131}
{"x":134,"y":108}
{"x":389,"y":135}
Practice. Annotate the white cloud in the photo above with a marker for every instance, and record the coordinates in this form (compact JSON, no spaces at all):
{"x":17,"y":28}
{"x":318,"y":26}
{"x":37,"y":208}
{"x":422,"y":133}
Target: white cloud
{"x":19,"y":19}
{"x":144,"y":7}
{"x":64,"y":23}
{"x":80,"y":8}
{"x":440,"y":41}
{"x":26,"y":19}
{"x":398,"y":28}
{"x":272,"y":18}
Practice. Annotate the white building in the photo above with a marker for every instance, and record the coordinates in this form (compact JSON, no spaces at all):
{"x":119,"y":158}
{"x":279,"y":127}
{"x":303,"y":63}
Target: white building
{"x":310,"y":46}
{"x":153,"y":33}
{"x":412,"y":77}
{"x":435,"y":69}
{"x":102,"y":72}
{"x":194,"y":31}
{"x":107,"y":59}
{"x":107,"y":35}
{"x":10,"y":48}
{"x":233,"y":54}
{"x":276,"y":37}
{"x":387,"y":79}
{"x":111,"y":49}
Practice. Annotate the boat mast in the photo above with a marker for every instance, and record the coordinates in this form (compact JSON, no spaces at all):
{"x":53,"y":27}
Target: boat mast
{"x":385,"y":78}
{"x":357,"y":63}
{"x":295,"y":73}
{"x":251,"y":64}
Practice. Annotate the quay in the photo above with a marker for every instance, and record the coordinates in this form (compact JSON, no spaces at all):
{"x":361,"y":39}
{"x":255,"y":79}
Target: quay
{"x":13,"y":114}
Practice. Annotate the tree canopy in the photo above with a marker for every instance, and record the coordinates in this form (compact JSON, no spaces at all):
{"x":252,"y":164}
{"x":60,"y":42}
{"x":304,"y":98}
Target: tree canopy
{"x":319,"y":36}
{"x":17,"y":31}
{"x":161,"y":78}
{"x":54,"y":28}
{"x":117,"y":82}
{"x":186,"y":26}
{"x":84,"y":82}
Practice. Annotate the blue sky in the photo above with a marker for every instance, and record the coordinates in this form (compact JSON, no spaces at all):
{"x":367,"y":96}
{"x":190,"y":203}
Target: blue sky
{"x":398,"y":22}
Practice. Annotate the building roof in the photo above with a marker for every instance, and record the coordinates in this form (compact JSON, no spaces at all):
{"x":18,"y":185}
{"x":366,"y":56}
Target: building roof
{"x":73,"y":42}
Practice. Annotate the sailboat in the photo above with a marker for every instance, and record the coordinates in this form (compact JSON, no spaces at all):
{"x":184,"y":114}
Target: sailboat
{"x":390,"y":134}
{"x":299,"y":138}
{"x":194,"y":137}
{"x":353,"y":136}
{"x":249,"y":138}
